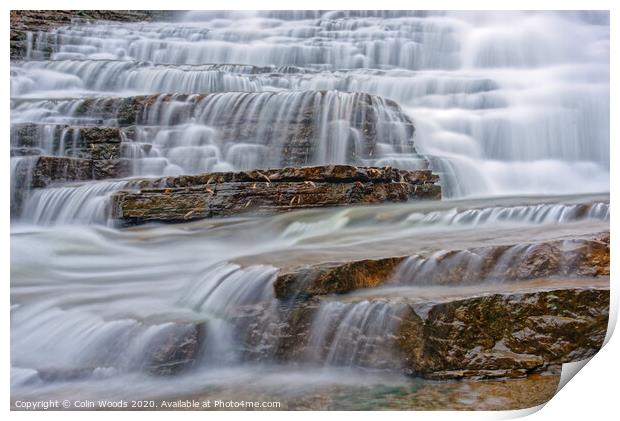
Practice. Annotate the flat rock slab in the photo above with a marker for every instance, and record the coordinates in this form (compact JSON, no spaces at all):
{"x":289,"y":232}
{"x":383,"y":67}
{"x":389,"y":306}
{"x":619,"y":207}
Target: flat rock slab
{"x":185,"y":198}
{"x":579,"y":257}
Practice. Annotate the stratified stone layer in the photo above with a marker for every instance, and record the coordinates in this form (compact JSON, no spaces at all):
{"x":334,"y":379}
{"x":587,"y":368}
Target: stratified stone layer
{"x":184,"y":198}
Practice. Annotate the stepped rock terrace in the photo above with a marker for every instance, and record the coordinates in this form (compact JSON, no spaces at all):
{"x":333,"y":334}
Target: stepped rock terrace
{"x":324,"y":209}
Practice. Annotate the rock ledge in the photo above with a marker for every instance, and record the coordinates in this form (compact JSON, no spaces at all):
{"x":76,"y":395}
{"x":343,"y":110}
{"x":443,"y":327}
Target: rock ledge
{"x":184,"y":198}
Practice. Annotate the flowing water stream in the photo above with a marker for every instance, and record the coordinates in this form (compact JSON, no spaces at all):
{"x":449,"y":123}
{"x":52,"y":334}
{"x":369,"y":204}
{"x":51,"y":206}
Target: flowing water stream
{"x":511,"y":109}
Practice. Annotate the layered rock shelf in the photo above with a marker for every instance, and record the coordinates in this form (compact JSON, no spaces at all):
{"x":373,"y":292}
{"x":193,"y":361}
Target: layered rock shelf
{"x":498,"y":334}
{"x":523,"y":323}
{"x":507,"y":331}
{"x":88,"y":142}
{"x":185,"y":198}
{"x":580,"y":257}
{"x":282,"y":158}
{"x":41,"y":171}
{"x":83,"y":153}
{"x":118,"y":137}
{"x":475,"y":335}
{"x":529,"y":317}
{"x":550,"y":306}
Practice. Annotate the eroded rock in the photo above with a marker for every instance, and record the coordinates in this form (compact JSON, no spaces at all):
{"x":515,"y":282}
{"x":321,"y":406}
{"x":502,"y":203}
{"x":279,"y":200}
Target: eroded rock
{"x":41,"y":171}
{"x":175,"y":349}
{"x":505,"y":334}
{"x":482,"y":337}
{"x":174,"y":199}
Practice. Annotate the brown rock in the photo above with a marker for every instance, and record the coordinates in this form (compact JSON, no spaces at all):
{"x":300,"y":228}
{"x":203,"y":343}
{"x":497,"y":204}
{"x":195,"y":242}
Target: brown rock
{"x":334,"y":278}
{"x":567,"y":258}
{"x":110,"y":168}
{"x":499,"y":335}
{"x":92,"y":135}
{"x":98,"y":143}
{"x":174,"y":199}
{"x":582,"y":257}
{"x":41,"y":171}
{"x":521,"y":331}
{"x":175,"y":349}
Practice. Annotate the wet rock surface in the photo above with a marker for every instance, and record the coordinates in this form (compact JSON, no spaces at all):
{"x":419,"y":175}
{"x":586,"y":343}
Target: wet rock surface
{"x":335,"y":278}
{"x":42,"y":171}
{"x":34,"y":171}
{"x":63,"y":153}
{"x":505,"y":335}
{"x":583,"y":257}
{"x":531,"y":314}
{"x":117,"y":138}
{"x":95,"y":143}
{"x":174,"y":199}
{"x":176,"y":349}
{"x":45,"y":170}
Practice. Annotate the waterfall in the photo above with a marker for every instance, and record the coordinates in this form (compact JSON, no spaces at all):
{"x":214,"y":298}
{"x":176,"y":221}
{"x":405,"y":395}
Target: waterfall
{"x":242,"y":131}
{"x":84,"y":203}
{"x":355,"y":334}
{"x":490,"y":265}
{"x":509,"y":109}
{"x":224,"y":305}
{"x":532,"y":214}
{"x":465,"y":81}
{"x":83,"y":342}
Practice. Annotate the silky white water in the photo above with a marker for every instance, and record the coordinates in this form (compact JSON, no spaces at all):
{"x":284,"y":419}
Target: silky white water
{"x":511,"y":109}
{"x":88,"y":302}
{"x":498,"y":111}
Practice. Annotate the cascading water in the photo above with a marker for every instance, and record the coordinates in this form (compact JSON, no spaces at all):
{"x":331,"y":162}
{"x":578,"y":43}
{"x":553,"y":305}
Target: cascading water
{"x":489,"y":104}
{"x":85,"y":203}
{"x":510,"y":109}
{"x":355,"y":334}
